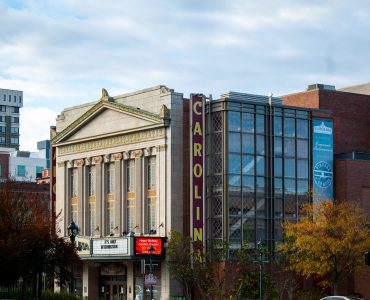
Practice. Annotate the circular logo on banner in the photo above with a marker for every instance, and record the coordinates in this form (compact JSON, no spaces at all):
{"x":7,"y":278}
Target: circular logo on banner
{"x":323,"y":174}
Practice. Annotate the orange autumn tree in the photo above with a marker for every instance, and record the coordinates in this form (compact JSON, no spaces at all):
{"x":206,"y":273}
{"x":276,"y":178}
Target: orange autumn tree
{"x":328,"y":242}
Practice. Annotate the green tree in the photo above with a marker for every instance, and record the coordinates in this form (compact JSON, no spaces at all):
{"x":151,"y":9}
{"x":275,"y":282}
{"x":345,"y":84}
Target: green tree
{"x":328,"y":242}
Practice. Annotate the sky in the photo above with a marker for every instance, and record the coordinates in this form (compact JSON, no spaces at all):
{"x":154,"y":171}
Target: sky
{"x":62,"y":53}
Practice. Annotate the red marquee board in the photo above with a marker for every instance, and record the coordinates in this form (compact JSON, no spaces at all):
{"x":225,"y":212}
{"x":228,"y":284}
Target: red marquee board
{"x":143,"y":244}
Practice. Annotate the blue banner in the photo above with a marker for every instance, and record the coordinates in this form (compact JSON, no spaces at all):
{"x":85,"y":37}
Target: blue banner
{"x":322,"y":160}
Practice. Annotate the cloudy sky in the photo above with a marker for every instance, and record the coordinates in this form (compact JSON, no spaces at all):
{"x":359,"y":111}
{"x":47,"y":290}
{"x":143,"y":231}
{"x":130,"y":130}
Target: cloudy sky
{"x":61,"y":53}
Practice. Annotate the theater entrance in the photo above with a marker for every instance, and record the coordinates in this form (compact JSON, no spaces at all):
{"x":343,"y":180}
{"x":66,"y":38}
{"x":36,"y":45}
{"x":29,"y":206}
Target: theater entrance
{"x":113,"y":282}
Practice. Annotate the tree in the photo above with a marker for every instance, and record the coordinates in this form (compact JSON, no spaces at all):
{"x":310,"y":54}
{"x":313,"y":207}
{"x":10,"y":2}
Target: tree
{"x":27,"y":247}
{"x":328,"y":242}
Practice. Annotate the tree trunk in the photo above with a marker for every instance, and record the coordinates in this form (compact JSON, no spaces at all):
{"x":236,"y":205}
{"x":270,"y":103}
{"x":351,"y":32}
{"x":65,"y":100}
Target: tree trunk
{"x":335,"y":287}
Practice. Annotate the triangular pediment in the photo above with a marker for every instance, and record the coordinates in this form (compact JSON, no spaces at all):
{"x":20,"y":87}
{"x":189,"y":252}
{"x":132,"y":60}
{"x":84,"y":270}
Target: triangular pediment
{"x":109,"y":118}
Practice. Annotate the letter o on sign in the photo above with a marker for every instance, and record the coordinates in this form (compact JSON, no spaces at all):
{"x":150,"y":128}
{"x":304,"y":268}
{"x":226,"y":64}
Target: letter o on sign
{"x":198,"y":170}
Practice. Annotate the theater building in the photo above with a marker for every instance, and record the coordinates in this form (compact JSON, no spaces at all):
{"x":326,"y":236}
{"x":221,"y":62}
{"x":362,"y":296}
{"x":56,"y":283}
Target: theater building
{"x":119,"y":177}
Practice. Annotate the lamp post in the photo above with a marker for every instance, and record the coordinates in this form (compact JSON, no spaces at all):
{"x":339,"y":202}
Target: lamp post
{"x":260,"y":252}
{"x":151,"y":249}
{"x":72,"y":232}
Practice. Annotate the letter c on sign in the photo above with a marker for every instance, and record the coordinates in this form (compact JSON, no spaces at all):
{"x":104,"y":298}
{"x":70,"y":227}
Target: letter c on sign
{"x":195,"y":106}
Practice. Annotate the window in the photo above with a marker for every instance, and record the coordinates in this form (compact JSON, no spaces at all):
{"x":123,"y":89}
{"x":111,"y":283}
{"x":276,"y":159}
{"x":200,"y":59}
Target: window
{"x":15,"y":120}
{"x":110,"y":216}
{"x":39,"y":172}
{"x":10,"y":98}
{"x":15,"y":98}
{"x":110,"y":178}
{"x":73,"y":183}
{"x":2,"y":140}
{"x":2,"y":108}
{"x":4,"y":97}
{"x":74,"y":211}
{"x":20,"y":99}
{"x":2,"y":119}
{"x":15,"y":109}
{"x":151,"y":172}
{"x":91,"y":181}
{"x":21,"y":170}
{"x":1,"y":170}
{"x":130,"y":175}
{"x":2,"y":129}
{"x":92,"y":216}
{"x":234,"y":121}
{"x":151,"y":214}
{"x":14,"y":141}
{"x":14,"y":130}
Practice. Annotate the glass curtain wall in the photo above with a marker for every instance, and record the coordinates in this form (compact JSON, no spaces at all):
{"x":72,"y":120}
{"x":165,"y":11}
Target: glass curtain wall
{"x":266,"y":170}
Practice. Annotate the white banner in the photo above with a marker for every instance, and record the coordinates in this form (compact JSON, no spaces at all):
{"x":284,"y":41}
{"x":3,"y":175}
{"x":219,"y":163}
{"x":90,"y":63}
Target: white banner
{"x":110,"y":246}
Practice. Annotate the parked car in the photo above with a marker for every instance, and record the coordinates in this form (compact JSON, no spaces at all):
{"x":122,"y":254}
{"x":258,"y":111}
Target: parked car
{"x":341,"y":298}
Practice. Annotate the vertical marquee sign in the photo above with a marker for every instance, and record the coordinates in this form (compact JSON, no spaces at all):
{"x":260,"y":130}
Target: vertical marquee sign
{"x":322,"y":160}
{"x":52,"y":175}
{"x":197,"y":159}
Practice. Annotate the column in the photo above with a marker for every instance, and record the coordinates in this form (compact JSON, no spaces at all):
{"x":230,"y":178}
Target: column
{"x":137,"y":154}
{"x":117,"y":157}
{"x":79,"y":164}
{"x":97,"y":160}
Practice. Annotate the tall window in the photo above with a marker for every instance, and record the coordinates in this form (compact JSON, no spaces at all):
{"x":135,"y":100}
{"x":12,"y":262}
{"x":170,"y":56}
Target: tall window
{"x":2,"y":128}
{"x":91,"y":181}
{"x":110,"y":178}
{"x":21,"y":170}
{"x":14,"y":140}
{"x":151,"y":172}
{"x":74,"y":209}
{"x":110,"y":216}
{"x":151,"y":193}
{"x":92,"y":216}
{"x":73,"y":183}
{"x":14,"y":130}
{"x":2,"y":140}
{"x":130,"y":176}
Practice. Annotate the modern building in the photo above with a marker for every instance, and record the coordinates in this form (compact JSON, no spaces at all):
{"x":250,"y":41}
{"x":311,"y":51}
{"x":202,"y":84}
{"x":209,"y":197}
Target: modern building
{"x":350,"y":108}
{"x":264,"y":159}
{"x":120,"y":178}
{"x":24,"y":165}
{"x":10,"y":103}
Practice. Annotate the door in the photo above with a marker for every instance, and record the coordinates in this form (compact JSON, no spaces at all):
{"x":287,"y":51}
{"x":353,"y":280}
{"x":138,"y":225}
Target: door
{"x":115,"y":290}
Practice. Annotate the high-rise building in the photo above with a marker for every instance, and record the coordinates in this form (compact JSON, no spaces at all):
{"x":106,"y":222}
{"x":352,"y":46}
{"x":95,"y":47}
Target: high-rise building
{"x":10,"y":103}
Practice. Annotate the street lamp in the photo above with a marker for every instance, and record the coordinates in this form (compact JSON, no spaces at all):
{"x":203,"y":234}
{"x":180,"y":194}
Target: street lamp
{"x":151,"y":249}
{"x":72,"y":232}
{"x":260,"y":261}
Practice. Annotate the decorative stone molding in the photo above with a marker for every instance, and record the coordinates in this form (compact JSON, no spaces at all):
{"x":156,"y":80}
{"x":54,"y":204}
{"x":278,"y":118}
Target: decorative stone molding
{"x":70,"y":164}
{"x":137,"y":153}
{"x":148,"y":151}
{"x":97,"y":160}
{"x":79,"y":162}
{"x":161,"y":148}
{"x":61,"y":164}
{"x":116,"y":156}
{"x":164,"y":112}
{"x":126,"y":155}
{"x":107,"y":158}
{"x":88,"y":161}
{"x":108,"y":142}
{"x":165,"y":90}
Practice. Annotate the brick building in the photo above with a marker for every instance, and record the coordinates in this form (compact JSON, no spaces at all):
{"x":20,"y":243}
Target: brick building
{"x":350,"y":108}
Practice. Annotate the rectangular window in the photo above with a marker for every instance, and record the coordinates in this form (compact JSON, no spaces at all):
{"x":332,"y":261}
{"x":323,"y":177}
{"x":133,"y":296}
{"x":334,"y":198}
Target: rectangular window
{"x":151,"y":172}
{"x":10,"y":98}
{"x":15,"y":120}
{"x":2,"y":140}
{"x":92,"y":216}
{"x":74,"y":183}
{"x":1,"y":170}
{"x":2,"y":119}
{"x":15,"y":98}
{"x":2,"y":129}
{"x":74,"y":210}
{"x":110,"y":178}
{"x":91,"y":181}
{"x":20,"y":99}
{"x":14,"y":130}
{"x":2,"y":108}
{"x":14,"y":141}
{"x":130,"y":175}
{"x":4,"y":97}
{"x":130,"y":214}
{"x":39,"y":172}
{"x":21,"y":170}
{"x":15,"y":109}
{"x":110,"y":217}
{"x":151,"y":214}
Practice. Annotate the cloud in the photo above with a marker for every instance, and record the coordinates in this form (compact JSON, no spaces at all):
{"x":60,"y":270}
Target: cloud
{"x":61,"y":53}
{"x":35,"y":125}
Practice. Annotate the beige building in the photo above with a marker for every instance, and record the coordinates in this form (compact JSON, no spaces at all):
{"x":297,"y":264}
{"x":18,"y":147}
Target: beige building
{"x":117,"y":177}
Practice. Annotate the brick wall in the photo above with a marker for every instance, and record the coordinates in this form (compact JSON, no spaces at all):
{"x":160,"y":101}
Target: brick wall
{"x":350,"y":116}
